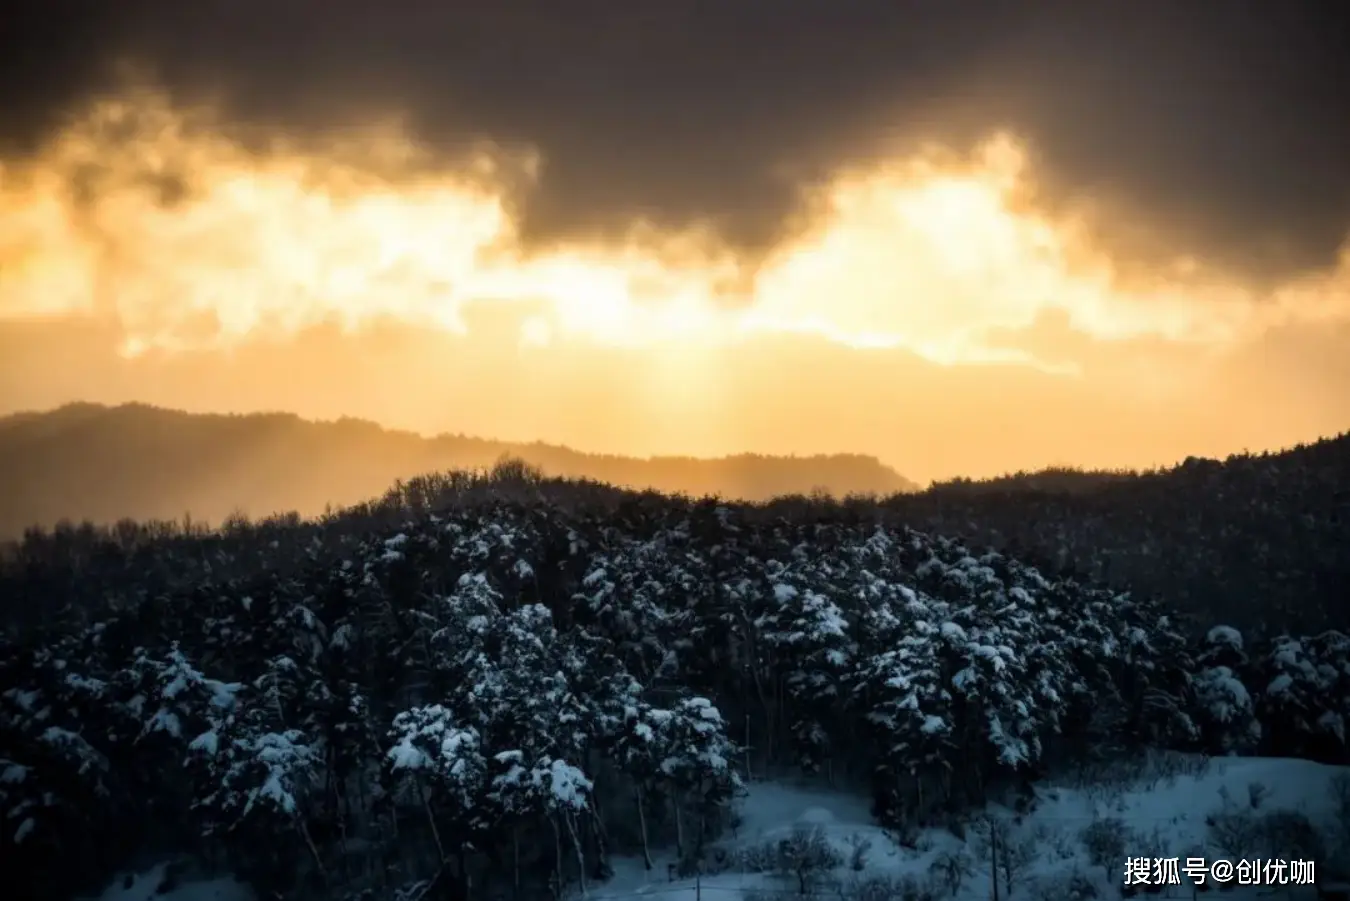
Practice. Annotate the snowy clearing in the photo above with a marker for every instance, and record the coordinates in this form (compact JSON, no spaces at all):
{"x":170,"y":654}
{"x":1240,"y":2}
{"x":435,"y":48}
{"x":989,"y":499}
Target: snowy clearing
{"x":1164,"y":816}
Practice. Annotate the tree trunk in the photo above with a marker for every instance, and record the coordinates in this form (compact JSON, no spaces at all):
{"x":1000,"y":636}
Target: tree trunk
{"x":570,"y":820}
{"x":466,"y":882}
{"x":765,"y":701}
{"x":679,"y":826}
{"x":784,"y":723}
{"x":515,"y":860}
{"x":748,"y":775}
{"x":557,"y":856}
{"x":597,"y":827}
{"x":431,"y":819}
{"x":993,"y":856}
{"x":642,"y":828}
{"x":313,"y":850}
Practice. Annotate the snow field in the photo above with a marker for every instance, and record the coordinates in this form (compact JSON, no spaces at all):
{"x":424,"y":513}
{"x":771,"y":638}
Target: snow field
{"x":1157,"y":811}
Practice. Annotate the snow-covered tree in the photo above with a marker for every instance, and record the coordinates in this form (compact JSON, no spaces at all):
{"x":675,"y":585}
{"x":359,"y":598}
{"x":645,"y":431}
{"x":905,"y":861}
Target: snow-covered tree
{"x":1304,"y":697}
{"x":808,"y":632}
{"x":448,"y":772}
{"x":1225,"y":712}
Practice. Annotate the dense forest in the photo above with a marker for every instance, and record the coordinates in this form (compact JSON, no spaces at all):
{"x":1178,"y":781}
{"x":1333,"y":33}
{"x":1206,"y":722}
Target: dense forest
{"x":1261,"y":540}
{"x":91,"y":462}
{"x":489,"y":684}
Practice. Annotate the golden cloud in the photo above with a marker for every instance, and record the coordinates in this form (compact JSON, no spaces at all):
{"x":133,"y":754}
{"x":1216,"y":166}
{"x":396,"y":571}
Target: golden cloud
{"x":190,"y":235}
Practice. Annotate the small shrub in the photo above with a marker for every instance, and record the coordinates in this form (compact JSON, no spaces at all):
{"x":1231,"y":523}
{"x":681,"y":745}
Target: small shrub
{"x":1015,"y":858}
{"x":717,"y":860}
{"x":1233,"y":830}
{"x":1170,"y":766}
{"x":1288,"y":834}
{"x":807,"y":854}
{"x":905,"y":836}
{"x":1105,"y":843}
{"x":1007,"y":855}
{"x":758,"y":859}
{"x":1104,"y":779}
{"x":948,"y":873}
{"x":859,"y":846}
{"x":809,"y":847}
{"x":690,"y":865}
{"x":1257,"y":793}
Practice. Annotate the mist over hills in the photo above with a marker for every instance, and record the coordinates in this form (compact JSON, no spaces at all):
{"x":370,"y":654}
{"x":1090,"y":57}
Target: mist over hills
{"x":101,"y":463}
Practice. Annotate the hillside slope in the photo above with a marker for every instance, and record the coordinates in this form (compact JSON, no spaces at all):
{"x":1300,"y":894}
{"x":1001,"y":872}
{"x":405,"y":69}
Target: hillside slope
{"x":1255,"y":540}
{"x":87,"y":461}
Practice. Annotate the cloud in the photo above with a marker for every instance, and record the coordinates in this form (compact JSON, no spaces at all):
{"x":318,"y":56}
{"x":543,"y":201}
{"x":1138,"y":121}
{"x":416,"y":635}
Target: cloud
{"x":931,"y":306}
{"x":1217,"y":128}
{"x":190,"y":234}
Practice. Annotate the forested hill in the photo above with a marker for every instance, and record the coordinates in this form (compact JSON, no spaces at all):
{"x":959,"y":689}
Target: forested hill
{"x":1261,"y":541}
{"x":1256,"y":539}
{"x":91,"y":462}
{"x":488,"y":699}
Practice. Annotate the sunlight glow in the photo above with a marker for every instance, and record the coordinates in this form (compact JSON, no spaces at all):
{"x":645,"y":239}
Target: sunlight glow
{"x":190,"y":239}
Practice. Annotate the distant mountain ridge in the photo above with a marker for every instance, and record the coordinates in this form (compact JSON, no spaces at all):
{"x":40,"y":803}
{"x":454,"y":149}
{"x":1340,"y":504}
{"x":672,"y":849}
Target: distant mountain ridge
{"x":101,"y":463}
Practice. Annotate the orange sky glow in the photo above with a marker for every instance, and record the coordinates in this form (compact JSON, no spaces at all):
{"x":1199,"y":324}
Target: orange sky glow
{"x":927,"y":309}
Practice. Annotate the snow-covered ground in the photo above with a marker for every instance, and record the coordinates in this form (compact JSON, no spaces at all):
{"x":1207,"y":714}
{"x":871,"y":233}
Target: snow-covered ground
{"x":1163,"y":817}
{"x":146,"y":885}
{"x":1156,"y":810}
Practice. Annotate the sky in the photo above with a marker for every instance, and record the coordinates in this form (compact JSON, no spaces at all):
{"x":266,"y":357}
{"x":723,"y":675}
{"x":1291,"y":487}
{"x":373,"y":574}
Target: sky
{"x":967,"y":238}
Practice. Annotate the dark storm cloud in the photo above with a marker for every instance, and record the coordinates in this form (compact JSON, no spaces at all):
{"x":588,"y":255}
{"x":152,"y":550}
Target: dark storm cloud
{"x":1220,"y":127}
